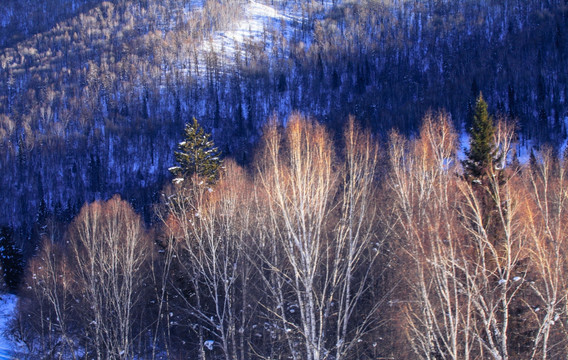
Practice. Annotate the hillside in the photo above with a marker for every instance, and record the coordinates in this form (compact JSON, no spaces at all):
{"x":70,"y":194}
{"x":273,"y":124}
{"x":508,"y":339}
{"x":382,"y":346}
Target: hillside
{"x":284,"y":179}
{"x":93,"y":98}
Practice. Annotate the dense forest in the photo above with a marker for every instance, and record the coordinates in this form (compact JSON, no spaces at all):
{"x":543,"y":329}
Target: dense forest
{"x":93,"y":98}
{"x":360,"y":198}
{"x":331,"y":246}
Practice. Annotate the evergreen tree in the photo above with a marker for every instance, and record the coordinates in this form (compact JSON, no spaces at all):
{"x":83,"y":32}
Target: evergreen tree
{"x":482,"y":148}
{"x":197,"y":155}
{"x":10,"y":259}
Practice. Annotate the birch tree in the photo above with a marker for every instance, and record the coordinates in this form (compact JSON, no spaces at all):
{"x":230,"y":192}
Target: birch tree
{"x":545,"y":219}
{"x":211,"y":225}
{"x":320,"y":224}
{"x":50,"y":304}
{"x":465,"y":240}
{"x":86,"y":292}
{"x":424,"y":192}
{"x":109,"y":250}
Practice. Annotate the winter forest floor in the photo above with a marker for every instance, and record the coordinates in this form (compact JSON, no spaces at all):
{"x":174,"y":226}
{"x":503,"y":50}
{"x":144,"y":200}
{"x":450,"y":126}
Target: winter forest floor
{"x":7,"y":307}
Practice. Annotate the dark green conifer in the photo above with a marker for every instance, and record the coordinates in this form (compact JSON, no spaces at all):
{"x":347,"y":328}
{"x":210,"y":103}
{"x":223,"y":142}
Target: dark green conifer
{"x":10,"y":259}
{"x":482,"y":148}
{"x":197,"y":155}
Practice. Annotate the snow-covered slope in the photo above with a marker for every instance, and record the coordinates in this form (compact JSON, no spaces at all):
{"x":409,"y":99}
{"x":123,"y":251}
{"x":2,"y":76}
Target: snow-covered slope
{"x":255,"y":28}
{"x":257,"y":18}
{"x":251,"y":29}
{"x":7,"y":307}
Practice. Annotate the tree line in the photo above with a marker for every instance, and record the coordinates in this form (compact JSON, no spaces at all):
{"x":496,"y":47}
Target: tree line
{"x":328,"y":245}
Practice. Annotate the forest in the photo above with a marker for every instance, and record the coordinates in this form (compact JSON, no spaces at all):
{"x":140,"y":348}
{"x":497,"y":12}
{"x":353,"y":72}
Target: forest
{"x":329,"y":246}
{"x":92,"y":100}
{"x":381,"y":179}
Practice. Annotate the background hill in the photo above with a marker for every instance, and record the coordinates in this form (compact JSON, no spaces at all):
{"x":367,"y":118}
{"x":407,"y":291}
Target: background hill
{"x":94,"y":95}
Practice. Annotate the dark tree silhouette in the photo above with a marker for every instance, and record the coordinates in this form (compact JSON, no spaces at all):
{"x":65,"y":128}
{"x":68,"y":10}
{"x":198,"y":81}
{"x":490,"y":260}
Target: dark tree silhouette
{"x":10,"y":259}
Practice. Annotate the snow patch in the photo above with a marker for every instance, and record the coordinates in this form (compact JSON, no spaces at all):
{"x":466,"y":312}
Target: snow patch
{"x":7,"y":309}
{"x":209,"y":344}
{"x":252,"y":29}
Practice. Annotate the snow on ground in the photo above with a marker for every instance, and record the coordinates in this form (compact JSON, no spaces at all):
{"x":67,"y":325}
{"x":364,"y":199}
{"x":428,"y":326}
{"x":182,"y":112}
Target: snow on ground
{"x":257,"y":19}
{"x":524,"y":146}
{"x":255,"y":28}
{"x":463,"y":145}
{"x":7,"y":308}
{"x":252,"y":28}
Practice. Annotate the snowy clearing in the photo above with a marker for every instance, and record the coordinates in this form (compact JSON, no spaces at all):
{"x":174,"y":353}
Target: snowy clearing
{"x":254,"y":28}
{"x":251,"y":29}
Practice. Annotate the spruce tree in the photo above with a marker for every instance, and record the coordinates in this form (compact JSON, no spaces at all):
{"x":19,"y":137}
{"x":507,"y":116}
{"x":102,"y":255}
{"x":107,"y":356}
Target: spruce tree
{"x":10,"y":259}
{"x":197,"y":155}
{"x":482,"y":148}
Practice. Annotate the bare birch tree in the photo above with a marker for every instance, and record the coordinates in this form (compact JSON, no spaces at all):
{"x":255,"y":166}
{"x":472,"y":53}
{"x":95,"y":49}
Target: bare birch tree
{"x":423,"y":185}
{"x":109,"y":251}
{"x":355,"y":240}
{"x":211,"y":225}
{"x":50,"y":302}
{"x":84,"y":292}
{"x":466,"y":241}
{"x":545,"y":220}
{"x":492,"y":272}
{"x":320,"y":225}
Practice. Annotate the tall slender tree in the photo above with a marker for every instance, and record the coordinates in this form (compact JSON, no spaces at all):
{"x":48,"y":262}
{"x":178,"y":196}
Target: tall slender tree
{"x":482,"y":149}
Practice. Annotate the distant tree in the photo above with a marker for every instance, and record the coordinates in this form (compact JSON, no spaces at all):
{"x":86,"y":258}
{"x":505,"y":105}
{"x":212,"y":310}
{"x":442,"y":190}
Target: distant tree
{"x":240,"y":119}
{"x":197,"y":155}
{"x":217,"y":115}
{"x":177,"y":111}
{"x":282,"y":83}
{"x":94,"y":173}
{"x":335,"y":79}
{"x":10,"y":259}
{"x":38,"y":230}
{"x":482,"y":148}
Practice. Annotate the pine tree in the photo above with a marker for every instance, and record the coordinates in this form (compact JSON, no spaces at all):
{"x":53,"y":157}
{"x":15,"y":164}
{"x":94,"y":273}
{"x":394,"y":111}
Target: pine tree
{"x":482,"y":148}
{"x":197,"y":155}
{"x":10,"y":259}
